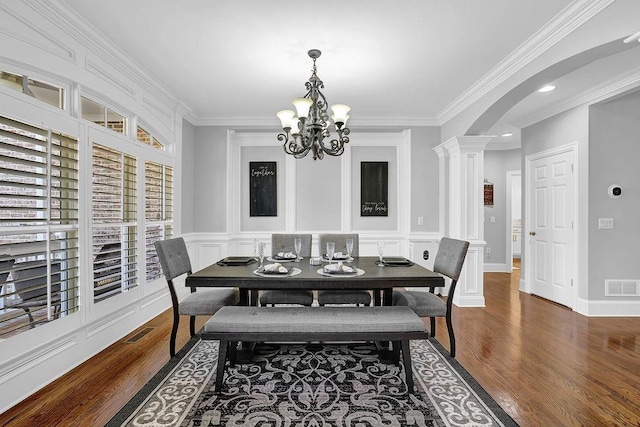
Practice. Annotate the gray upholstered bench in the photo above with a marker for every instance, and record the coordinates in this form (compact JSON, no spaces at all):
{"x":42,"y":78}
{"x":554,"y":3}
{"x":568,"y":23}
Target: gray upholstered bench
{"x":233,"y":324}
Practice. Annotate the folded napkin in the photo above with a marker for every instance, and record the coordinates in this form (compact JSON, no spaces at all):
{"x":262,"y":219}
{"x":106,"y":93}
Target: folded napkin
{"x":338,"y":268}
{"x":287,"y":255}
{"x":337,"y":255}
{"x":275,"y":268}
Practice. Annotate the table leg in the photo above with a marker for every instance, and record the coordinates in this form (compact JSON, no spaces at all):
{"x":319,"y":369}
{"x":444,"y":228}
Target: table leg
{"x":244,"y":296}
{"x":387,"y":298}
{"x":244,"y":352}
{"x":386,"y":347}
{"x":377,"y":297}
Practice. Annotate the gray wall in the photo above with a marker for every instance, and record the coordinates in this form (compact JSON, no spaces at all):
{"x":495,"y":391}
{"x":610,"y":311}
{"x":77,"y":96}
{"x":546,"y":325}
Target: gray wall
{"x":321,"y":204}
{"x":210,"y":179}
{"x":496,"y":165}
{"x":209,"y":182}
{"x":568,"y":127}
{"x":613,"y":157}
{"x":187,"y":190}
{"x":424,"y":178}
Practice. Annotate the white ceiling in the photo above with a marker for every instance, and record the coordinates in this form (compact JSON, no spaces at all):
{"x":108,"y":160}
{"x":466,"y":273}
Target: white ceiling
{"x":402,"y":59}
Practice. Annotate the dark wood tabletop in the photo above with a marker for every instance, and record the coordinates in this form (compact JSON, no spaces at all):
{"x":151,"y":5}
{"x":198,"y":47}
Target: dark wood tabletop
{"x":374,"y":277}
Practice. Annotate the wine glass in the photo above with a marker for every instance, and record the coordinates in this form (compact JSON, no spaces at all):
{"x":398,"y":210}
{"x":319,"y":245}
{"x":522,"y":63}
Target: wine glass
{"x":380,"y":252}
{"x":297,"y":246}
{"x":331,"y":249}
{"x":261,"y":252}
{"x":349,"y":245}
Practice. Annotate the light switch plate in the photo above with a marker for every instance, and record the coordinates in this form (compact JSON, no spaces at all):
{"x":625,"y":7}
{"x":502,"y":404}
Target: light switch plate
{"x":605,"y":223}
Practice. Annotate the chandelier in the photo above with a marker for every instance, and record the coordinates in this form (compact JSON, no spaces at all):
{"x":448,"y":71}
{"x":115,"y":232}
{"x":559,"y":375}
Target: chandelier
{"x":310,"y":130}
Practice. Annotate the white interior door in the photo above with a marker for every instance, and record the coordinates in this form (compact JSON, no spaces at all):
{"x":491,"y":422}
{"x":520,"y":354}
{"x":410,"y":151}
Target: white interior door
{"x":551,"y":226}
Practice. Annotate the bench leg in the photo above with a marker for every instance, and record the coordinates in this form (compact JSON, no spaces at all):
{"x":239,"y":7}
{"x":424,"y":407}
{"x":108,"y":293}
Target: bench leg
{"x":222,"y":359}
{"x":233,"y":347}
{"x":395,"y":351}
{"x":406,"y":358}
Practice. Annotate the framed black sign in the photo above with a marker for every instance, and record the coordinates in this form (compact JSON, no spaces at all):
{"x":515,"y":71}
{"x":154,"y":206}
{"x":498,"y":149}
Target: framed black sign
{"x":263,"y":189}
{"x":374,"y":189}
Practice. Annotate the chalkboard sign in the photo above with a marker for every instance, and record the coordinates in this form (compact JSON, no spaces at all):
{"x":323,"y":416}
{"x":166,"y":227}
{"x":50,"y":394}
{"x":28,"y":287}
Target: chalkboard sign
{"x":374,"y":189}
{"x":263,"y":189}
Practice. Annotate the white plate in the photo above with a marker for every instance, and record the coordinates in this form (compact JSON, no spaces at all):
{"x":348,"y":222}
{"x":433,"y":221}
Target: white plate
{"x":325,"y":259}
{"x":272,"y":259}
{"x":358,"y":272}
{"x":292,"y":272}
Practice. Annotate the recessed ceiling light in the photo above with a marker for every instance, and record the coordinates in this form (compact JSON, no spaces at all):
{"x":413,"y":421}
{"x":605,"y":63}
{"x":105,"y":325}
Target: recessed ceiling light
{"x":547,"y":88}
{"x":507,"y":134}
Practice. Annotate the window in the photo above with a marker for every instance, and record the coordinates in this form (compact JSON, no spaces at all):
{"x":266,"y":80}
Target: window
{"x":39,"y":223}
{"x":157,"y":144}
{"x":158,"y":197}
{"x":103,"y":116}
{"x":146,"y":138}
{"x":115,"y":268}
{"x":52,"y":95}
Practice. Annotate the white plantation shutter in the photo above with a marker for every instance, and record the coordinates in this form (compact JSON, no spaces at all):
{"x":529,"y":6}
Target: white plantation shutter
{"x":38,"y":226}
{"x":158,"y":196}
{"x":115,"y":265}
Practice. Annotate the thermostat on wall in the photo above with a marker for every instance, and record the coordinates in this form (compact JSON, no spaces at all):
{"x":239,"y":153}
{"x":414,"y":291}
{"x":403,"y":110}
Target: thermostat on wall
{"x":614,"y":191}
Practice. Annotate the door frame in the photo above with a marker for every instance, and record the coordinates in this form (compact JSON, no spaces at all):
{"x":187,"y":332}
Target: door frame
{"x":527,"y":241}
{"x":509,"y":219}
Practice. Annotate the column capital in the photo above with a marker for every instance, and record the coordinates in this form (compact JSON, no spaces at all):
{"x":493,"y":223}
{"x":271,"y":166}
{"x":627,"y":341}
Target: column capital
{"x":467,"y":143}
{"x":441,"y":151}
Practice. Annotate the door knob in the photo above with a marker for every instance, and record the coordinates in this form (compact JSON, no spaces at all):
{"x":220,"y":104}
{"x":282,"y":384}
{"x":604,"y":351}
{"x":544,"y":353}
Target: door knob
{"x":532,"y":233}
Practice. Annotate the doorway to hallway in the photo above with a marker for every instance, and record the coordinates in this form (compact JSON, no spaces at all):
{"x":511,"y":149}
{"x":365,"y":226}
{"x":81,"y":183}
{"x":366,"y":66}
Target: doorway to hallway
{"x":513,"y":217}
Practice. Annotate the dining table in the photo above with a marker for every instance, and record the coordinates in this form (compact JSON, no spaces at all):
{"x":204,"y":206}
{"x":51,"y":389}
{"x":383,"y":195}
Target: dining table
{"x":249,"y":278}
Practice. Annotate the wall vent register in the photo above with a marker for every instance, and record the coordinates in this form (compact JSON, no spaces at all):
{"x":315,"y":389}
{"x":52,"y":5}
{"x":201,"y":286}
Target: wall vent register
{"x":620,"y":288}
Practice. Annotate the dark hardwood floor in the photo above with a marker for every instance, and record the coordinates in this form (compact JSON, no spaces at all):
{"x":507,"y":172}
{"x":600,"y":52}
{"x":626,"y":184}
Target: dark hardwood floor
{"x":544,"y":364}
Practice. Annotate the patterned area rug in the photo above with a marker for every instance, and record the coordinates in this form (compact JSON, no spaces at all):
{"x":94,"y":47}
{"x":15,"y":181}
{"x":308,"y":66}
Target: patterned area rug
{"x":312,"y":385}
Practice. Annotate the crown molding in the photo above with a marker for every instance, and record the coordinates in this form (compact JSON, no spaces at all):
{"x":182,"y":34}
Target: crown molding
{"x":623,"y":83}
{"x":563,"y":24}
{"x":270,"y":122}
{"x":66,"y":19}
{"x":186,"y":112}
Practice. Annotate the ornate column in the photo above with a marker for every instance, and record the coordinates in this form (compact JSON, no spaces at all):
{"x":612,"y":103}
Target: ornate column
{"x":465,"y":210}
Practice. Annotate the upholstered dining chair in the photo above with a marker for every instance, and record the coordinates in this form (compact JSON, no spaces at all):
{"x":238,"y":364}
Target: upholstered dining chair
{"x":30,"y":282}
{"x":345,"y":296}
{"x":175,"y":262}
{"x":285,"y":243}
{"x":448,"y":262}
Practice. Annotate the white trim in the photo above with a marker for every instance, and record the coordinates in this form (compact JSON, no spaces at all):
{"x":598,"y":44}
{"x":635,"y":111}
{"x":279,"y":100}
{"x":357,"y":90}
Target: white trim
{"x":291,"y":215}
{"x":617,"y":308}
{"x":271,"y":122}
{"x":563,"y":24}
{"x":346,"y":193}
{"x":442,"y":187}
{"x":496,"y":267}
{"x":509,"y":220}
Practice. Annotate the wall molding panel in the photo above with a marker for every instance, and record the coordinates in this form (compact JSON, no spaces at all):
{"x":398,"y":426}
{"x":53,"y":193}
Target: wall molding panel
{"x":107,"y":74}
{"x":51,"y":45}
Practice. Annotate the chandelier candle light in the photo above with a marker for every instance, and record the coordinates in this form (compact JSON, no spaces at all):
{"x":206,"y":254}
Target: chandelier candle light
{"x":308,"y":131}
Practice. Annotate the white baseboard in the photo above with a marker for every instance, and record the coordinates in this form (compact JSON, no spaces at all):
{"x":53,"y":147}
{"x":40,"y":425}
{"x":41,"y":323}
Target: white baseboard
{"x":494,"y":267}
{"x":602,"y":308}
